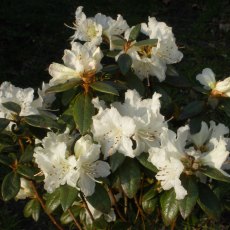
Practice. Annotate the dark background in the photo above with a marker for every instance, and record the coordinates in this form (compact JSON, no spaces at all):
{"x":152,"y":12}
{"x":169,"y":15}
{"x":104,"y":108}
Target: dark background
{"x":33,"y":34}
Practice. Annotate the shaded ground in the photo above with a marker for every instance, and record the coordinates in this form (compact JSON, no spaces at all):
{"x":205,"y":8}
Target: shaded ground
{"x":33,"y":35}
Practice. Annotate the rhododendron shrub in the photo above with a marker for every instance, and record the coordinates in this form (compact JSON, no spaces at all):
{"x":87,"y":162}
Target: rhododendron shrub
{"x":117,"y":139}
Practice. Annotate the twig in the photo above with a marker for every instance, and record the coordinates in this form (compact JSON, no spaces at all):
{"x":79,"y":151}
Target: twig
{"x":115,"y":204}
{"x":139,"y":207}
{"x":86,"y":206}
{"x":74,"y":220}
{"x":44,"y":207}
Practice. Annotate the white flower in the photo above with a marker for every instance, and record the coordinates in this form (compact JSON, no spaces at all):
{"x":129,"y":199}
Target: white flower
{"x":88,"y":167}
{"x":80,"y":62}
{"x":54,"y":161}
{"x":224,"y":87}
{"x":111,"y":216}
{"x":166,"y":49}
{"x":146,"y":115}
{"x":207,"y":78}
{"x":25,"y":189}
{"x":113,"y":132}
{"x":87,"y":29}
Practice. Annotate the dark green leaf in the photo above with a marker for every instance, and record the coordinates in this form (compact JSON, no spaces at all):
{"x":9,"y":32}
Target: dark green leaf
{"x":100,"y":223}
{"x":148,"y":42}
{"x":178,"y":81}
{"x":130,"y":177}
{"x":3,"y":123}
{"x":83,"y":112}
{"x":67,"y":96}
{"x":104,"y":87}
{"x":6,"y":139}
{"x":119,"y":225}
{"x":26,"y":171}
{"x":32,"y":208}
{"x":124,"y":62}
{"x":169,"y":206}
{"x":135,"y":32}
{"x":214,"y":174}
{"x":66,"y":218}
{"x":10,"y":186}
{"x":187,"y":204}
{"x":112,"y":53}
{"x":191,"y":110}
{"x":65,"y":86}
{"x":195,"y":124}
{"x":110,"y":68}
{"x":149,"y":200}
{"x":12,"y":106}
{"x":6,"y":160}
{"x":68,"y":195}
{"x":143,"y":159}
{"x":100,"y":199}
{"x":226,"y":107}
{"x":118,"y":42}
{"x":116,"y":160}
{"x":134,"y":82}
{"x":28,"y":209}
{"x":171,"y":71}
{"x":41,"y":121}
{"x":27,"y":156}
{"x":208,"y":201}
{"x":53,"y":200}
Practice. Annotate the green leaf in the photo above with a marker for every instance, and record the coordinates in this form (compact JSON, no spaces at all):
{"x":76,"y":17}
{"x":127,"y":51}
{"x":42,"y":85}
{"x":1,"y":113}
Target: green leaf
{"x":27,"y":156}
{"x":10,"y":186}
{"x":53,"y":200}
{"x":149,"y":200}
{"x":3,"y":123}
{"x":112,"y":53}
{"x":209,"y":202}
{"x":83,"y":112}
{"x":68,"y":195}
{"x":110,"y":68}
{"x":178,"y":81}
{"x":143,"y":159}
{"x":67,"y":96}
{"x":66,"y":218}
{"x":187,"y":204}
{"x":124,"y":62}
{"x":100,"y":199}
{"x":191,"y":110}
{"x":64,"y":86}
{"x":119,"y":42}
{"x":120,"y":225}
{"x":214,"y":174}
{"x":135,"y":32}
{"x":100,"y":223}
{"x":130,"y":177}
{"x":134,"y":82}
{"x":12,"y":106}
{"x":26,"y":171}
{"x":195,"y":124}
{"x":148,"y":42}
{"x":116,"y":160}
{"x":32,"y":208}
{"x":171,"y":71}
{"x":6,"y":160}
{"x":41,"y":121}
{"x":104,"y":87}
{"x":169,"y":207}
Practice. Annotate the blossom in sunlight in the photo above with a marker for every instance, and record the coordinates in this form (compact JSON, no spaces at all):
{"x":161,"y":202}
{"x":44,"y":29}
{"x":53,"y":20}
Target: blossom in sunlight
{"x":113,"y":131}
{"x":81,"y":62}
{"x":88,"y":167}
{"x":25,"y":189}
{"x":149,"y":122}
{"x":208,"y":80}
{"x":53,"y":158}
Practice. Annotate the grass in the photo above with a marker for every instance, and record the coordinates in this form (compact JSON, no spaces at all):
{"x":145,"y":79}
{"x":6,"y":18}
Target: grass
{"x":33,"y":35}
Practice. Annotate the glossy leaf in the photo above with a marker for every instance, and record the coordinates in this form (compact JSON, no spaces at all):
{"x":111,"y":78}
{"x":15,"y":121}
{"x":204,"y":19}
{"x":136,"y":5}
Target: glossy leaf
{"x":118,"y":42}
{"x":191,"y":110}
{"x":148,"y":42}
{"x":41,"y":121}
{"x":66,"y":218}
{"x":214,"y":174}
{"x":3,"y":123}
{"x":135,"y":32}
{"x":32,"y":208}
{"x":65,"y":86}
{"x":130,"y":177}
{"x":68,"y":195}
{"x":26,"y":171}
{"x":143,"y":159}
{"x":209,"y":202}
{"x":100,"y":199}
{"x":104,"y":87}
{"x":10,"y":186}
{"x":124,"y":62}
{"x":116,"y":160}
{"x":53,"y":200}
{"x":150,"y":200}
{"x":12,"y":106}
{"x":5,"y":159}
{"x":27,"y":156}
{"x":83,"y":111}
{"x":187,"y":204}
{"x":169,"y":207}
